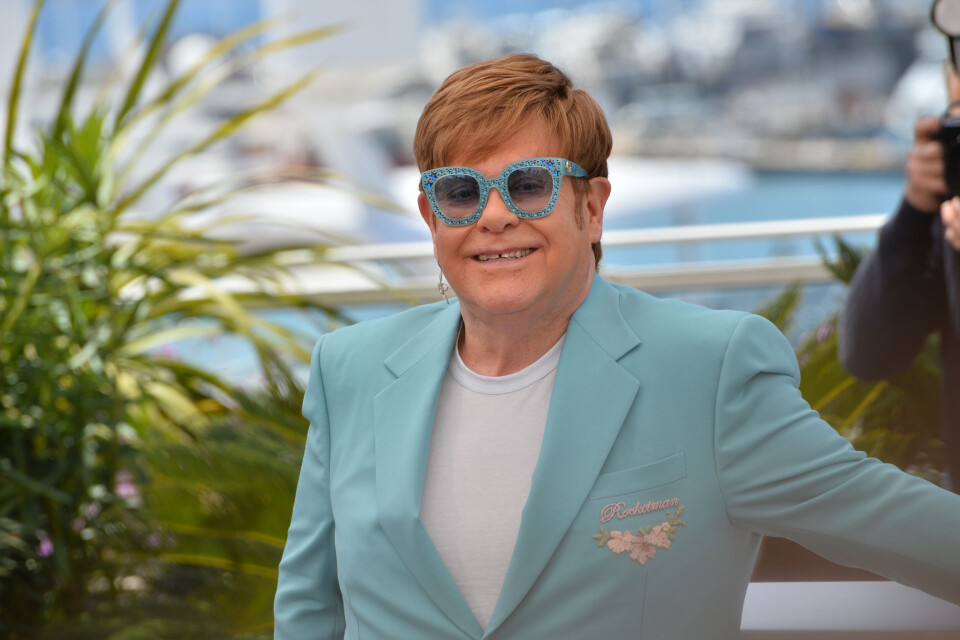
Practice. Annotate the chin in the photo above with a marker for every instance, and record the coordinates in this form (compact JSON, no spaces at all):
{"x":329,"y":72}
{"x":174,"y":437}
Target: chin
{"x":501,"y":302}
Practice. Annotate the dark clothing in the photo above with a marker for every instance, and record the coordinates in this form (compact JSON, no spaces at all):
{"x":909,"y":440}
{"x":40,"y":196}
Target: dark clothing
{"x":900,"y":294}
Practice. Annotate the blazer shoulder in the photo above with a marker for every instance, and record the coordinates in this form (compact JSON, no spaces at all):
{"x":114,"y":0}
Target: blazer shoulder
{"x":657,"y":318}
{"x":375,"y":339}
{"x":685,"y":334}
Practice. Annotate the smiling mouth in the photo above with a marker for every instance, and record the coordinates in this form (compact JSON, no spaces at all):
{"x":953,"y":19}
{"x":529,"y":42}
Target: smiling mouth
{"x":512,"y":255}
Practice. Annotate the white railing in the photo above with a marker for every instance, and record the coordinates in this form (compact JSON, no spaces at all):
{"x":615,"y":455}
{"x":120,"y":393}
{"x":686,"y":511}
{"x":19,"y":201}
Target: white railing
{"x":845,"y":611}
{"x":376,"y":271}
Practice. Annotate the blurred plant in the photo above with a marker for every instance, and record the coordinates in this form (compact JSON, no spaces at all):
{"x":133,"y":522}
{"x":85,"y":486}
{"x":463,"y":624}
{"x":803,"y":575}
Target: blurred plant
{"x":88,"y":295}
{"x":894,"y":420}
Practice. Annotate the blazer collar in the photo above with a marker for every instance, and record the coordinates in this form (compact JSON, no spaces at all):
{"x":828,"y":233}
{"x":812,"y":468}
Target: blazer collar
{"x":592,"y":394}
{"x":436,"y":338}
{"x":601,"y":320}
{"x":403,"y":422}
{"x":599,"y":316}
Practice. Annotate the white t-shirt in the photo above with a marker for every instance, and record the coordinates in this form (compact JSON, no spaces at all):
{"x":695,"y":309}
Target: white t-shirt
{"x":485,"y":444}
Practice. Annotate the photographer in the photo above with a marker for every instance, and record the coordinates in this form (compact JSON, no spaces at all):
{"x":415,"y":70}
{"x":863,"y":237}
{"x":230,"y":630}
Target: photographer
{"x":909,"y":286}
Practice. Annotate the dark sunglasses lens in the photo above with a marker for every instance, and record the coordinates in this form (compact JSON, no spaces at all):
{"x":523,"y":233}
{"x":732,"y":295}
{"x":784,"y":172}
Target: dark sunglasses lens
{"x":457,"y":195}
{"x":530,"y":188}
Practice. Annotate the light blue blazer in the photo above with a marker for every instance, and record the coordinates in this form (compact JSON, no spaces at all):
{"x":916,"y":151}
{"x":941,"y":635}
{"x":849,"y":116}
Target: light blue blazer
{"x":676,"y":438}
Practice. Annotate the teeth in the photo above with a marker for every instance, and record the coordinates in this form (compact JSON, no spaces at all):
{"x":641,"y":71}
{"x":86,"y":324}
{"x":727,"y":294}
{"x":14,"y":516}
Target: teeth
{"x":505,"y":256}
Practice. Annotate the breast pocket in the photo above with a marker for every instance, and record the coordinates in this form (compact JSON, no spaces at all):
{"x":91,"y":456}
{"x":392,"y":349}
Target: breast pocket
{"x":642,"y":478}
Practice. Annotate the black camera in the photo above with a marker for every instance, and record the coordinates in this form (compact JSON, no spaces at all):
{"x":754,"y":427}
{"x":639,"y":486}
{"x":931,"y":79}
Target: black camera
{"x":950,"y":138}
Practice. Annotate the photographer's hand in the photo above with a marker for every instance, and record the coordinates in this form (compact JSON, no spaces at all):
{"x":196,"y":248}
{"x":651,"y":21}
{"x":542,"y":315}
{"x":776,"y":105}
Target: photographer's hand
{"x":926,"y":186}
{"x":950,"y":214}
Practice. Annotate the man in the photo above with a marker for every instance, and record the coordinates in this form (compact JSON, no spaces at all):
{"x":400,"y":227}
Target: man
{"x":910,"y":286}
{"x":554,"y":456}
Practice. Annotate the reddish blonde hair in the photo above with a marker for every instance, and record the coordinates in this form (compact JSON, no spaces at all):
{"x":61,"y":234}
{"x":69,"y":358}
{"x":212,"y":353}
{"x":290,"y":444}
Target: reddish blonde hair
{"x":481,"y":106}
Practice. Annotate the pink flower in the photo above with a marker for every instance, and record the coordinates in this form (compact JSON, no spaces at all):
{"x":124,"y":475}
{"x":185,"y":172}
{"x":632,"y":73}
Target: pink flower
{"x":824,"y":332}
{"x":620,"y":541}
{"x":125,"y":487}
{"x":641,"y":550}
{"x":658,"y":537}
{"x":169,"y":351}
{"x":92,"y":510}
{"x":45,"y":548}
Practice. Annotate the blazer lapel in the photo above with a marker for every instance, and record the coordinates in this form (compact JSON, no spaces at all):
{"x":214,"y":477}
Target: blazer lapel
{"x":592,"y":395}
{"x":403,"y":423}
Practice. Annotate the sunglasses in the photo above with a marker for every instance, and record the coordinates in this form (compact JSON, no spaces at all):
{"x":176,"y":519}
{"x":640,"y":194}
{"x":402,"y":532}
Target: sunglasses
{"x":529,"y":188}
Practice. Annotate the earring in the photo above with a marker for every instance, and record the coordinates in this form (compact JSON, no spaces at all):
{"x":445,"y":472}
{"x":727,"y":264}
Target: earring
{"x":442,"y":288}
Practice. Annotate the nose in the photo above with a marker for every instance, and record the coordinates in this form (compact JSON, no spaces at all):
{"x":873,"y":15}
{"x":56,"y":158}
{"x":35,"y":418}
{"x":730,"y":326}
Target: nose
{"x":496,"y":217}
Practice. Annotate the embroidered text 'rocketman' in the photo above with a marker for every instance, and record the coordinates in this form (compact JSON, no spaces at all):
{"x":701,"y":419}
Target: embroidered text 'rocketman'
{"x":619,"y":510}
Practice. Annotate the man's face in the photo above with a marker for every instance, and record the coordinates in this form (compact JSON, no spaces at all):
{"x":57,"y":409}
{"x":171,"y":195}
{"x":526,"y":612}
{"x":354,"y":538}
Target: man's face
{"x":506,"y":267}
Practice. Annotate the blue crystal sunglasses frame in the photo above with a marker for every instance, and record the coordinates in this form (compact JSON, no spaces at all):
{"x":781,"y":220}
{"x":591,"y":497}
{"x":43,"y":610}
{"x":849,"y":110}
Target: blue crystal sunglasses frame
{"x":558,"y":168}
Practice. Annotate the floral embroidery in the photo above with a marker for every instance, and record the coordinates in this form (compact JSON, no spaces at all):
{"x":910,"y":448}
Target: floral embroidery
{"x":620,"y":541}
{"x":643,"y":544}
{"x":660,"y":536}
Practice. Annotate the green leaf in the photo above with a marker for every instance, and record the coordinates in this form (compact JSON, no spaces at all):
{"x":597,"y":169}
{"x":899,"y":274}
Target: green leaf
{"x":13,"y":102}
{"x":223,"y":131}
{"x":221,"y":563}
{"x":41,"y":488}
{"x":228,"y":534}
{"x":11,"y":317}
{"x":66,"y":101}
{"x":160,"y":338}
{"x":832,"y":393}
{"x":216,"y":54}
{"x":179,"y":103}
{"x":846,"y":262}
{"x":132,"y":49}
{"x":782,"y":309}
{"x":176,"y":404}
{"x":862,"y":407}
{"x":154,"y":48}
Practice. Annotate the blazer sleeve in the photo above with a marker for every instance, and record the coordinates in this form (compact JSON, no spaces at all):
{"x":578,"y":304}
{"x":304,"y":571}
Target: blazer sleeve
{"x":308,"y":603}
{"x":785,"y":472}
{"x":896,"y":298}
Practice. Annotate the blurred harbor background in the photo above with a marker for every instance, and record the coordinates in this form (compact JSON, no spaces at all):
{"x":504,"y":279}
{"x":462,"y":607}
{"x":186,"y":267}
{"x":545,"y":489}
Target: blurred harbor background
{"x":723,"y":111}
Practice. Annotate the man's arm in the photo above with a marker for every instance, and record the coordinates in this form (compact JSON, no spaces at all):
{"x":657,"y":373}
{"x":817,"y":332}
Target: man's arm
{"x":785,"y":472}
{"x":897,"y":296}
{"x":308,"y":604}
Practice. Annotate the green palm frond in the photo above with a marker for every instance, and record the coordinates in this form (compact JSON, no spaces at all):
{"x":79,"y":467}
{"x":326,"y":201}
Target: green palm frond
{"x":70,"y":90}
{"x":781,"y":310}
{"x":13,"y":102}
{"x":847,"y":259}
{"x":228,"y":534}
{"x":222,"y":131}
{"x":183,"y":93}
{"x":154,"y":46}
{"x":216,"y":54}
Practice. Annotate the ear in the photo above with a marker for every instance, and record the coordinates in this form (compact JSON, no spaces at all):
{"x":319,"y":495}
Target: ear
{"x":426,"y":212}
{"x":596,"y":201}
